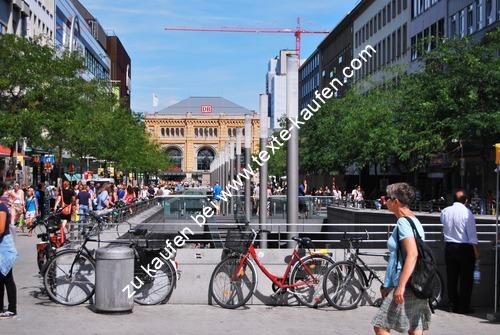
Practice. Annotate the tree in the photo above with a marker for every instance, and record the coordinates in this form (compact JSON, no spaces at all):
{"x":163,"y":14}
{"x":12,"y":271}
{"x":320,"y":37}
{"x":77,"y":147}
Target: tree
{"x":25,"y":73}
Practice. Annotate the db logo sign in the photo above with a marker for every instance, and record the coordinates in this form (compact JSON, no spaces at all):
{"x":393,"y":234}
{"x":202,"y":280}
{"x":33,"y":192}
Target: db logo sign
{"x":206,"y":109}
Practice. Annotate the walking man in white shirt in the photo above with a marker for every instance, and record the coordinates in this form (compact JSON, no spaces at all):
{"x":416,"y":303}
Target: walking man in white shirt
{"x":461,"y":252}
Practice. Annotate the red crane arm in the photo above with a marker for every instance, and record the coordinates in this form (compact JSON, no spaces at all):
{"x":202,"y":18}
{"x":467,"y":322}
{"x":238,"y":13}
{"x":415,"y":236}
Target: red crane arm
{"x":247,"y":30}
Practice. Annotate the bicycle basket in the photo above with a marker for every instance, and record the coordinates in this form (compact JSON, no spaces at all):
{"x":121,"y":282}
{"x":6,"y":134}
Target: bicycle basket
{"x":238,"y":241}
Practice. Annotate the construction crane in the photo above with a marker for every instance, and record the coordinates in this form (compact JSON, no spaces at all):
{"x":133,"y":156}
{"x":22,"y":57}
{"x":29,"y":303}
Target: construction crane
{"x":298,"y":31}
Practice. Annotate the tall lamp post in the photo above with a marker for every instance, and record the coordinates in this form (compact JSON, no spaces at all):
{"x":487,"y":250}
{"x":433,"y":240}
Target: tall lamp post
{"x":292,"y":111}
{"x":495,"y":316}
{"x":263,"y":103}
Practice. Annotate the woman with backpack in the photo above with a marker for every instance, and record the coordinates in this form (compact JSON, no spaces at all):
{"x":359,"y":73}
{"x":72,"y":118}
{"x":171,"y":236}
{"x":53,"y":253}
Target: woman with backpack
{"x":66,"y":201}
{"x":401,"y":309}
{"x":8,"y":256}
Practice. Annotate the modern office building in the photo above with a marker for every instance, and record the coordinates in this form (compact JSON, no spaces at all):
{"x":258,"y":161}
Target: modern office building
{"x":309,"y":78}
{"x":427,"y":26}
{"x":473,"y":17}
{"x":41,"y":23}
{"x":194,"y":130}
{"x":121,"y":69}
{"x":383,"y":24}
{"x":14,"y":17}
{"x":74,"y":33}
{"x":336,"y":53}
{"x":276,"y":87}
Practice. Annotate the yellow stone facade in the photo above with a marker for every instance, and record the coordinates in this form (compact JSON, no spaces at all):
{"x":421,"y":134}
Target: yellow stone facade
{"x":192,"y":133}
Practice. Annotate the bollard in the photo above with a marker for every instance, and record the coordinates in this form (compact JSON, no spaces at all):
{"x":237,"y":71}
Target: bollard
{"x":114,"y":271}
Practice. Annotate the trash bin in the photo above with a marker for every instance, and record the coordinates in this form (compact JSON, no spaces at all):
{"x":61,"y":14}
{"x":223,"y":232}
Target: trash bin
{"x":114,"y":271}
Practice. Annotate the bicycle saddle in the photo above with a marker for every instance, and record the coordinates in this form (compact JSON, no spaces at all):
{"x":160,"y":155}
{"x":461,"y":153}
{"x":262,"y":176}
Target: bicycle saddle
{"x":138,"y":231}
{"x":303,"y":241}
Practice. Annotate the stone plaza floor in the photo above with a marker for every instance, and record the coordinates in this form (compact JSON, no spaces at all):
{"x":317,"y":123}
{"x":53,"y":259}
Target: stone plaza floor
{"x":37,"y":314}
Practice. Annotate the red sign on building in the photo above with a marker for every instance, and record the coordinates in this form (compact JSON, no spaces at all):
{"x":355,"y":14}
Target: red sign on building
{"x":206,"y":108}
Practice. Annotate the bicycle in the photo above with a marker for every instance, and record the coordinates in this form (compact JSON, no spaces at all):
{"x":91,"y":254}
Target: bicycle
{"x":69,"y":277}
{"x":346,"y":281}
{"x":52,"y":238}
{"x":234,"y":279}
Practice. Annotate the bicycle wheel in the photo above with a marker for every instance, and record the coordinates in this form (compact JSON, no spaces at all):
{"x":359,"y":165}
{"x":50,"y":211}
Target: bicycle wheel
{"x":308,"y":274}
{"x":231,"y":286}
{"x":438,"y":291}
{"x":158,"y":289}
{"x":344,"y":285}
{"x":69,"y":278}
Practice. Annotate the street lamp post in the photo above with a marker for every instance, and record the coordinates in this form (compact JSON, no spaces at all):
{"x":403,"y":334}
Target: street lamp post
{"x":495,"y":316}
{"x":292,"y":110}
{"x":263,"y":104}
{"x":248,"y":143}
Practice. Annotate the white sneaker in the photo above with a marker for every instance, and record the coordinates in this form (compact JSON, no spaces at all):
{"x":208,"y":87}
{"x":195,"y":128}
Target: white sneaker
{"x":7,"y":315}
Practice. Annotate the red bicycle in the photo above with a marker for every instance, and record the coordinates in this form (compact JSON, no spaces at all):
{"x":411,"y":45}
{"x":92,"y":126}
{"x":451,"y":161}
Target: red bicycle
{"x":234,"y":279}
{"x":52,"y":238}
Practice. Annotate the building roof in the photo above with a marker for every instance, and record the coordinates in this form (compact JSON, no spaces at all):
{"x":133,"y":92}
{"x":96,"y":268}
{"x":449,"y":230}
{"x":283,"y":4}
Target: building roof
{"x":194,"y":106}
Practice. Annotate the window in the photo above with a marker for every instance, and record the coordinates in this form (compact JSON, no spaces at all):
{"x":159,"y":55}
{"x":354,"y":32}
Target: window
{"x":399,"y":43}
{"x":175,"y":156}
{"x":413,"y":48}
{"x":371,"y":27}
{"x":375,"y":24}
{"x":489,"y":12}
{"x":405,"y":5}
{"x":470,"y":18}
{"x":479,"y":14}
{"x":340,"y":59}
{"x":388,"y":58}
{"x":393,"y":53}
{"x":323,"y":73}
{"x":433,"y":36}
{"x":461,"y":23}
{"x":384,"y":15}
{"x":388,"y":12}
{"x":177,"y":132}
{"x":419,"y":45}
{"x":394,"y":9}
{"x":380,"y":19}
{"x":440,"y":28}
{"x":162,"y":132}
{"x":453,"y":25}
{"x":399,"y":7}
{"x":405,"y":42}
{"x":211,"y":132}
{"x":426,"y":41}
{"x":215,"y":132}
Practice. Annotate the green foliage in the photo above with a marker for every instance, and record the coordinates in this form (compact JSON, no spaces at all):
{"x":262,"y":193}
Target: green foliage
{"x":456,"y":97}
{"x":45,"y":99}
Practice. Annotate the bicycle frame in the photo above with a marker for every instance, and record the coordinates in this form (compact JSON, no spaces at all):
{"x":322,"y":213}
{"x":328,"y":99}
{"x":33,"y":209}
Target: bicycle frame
{"x":354,"y":257}
{"x":280,"y":281}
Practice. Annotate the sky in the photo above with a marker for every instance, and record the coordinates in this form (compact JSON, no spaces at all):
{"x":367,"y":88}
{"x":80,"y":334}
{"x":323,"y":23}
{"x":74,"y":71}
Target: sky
{"x":178,"y":65}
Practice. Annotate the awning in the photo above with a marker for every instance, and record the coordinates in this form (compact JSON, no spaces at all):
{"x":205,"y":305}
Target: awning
{"x":73,"y":177}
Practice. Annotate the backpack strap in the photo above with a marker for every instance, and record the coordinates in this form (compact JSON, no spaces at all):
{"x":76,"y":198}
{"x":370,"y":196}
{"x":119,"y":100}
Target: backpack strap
{"x":415,"y":234}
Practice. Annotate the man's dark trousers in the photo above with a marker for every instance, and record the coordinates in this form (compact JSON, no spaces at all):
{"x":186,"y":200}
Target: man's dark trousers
{"x":460,"y":262}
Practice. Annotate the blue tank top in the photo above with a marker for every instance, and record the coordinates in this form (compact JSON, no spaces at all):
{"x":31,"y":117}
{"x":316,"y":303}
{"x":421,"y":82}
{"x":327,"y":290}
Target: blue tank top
{"x":4,"y":208}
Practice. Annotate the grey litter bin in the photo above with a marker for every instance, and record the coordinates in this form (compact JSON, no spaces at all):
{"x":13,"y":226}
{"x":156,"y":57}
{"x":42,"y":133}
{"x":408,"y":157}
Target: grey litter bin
{"x":114,"y":271}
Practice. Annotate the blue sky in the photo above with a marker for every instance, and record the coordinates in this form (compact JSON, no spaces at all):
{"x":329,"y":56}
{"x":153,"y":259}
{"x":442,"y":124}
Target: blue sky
{"x":177,"y":65}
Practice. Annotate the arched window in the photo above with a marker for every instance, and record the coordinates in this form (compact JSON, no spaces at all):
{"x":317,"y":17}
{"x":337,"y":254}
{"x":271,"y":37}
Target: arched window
{"x":176,"y":131}
{"x":211,"y":132}
{"x":204,"y":158}
{"x":175,"y":156}
{"x":196,"y":132}
{"x":182,"y":132}
{"x":215,"y":132}
{"x":167,"y":131}
{"x":162,"y":132}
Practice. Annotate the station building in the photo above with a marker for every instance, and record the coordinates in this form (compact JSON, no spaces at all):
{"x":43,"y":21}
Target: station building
{"x":194,"y":130}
